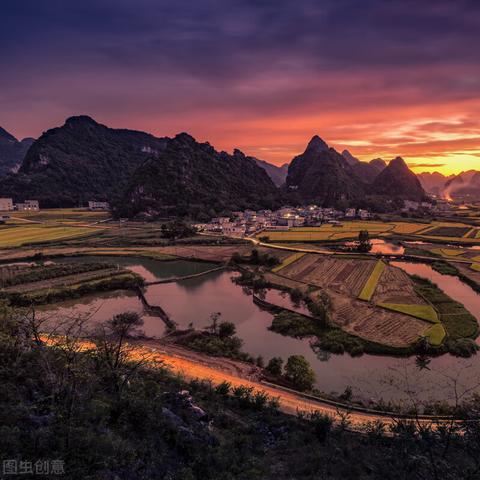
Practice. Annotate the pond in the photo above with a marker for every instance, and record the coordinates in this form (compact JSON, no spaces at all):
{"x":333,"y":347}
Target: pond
{"x":192,"y":301}
{"x":150,"y":270}
{"x":101,"y":307}
{"x":386,"y":247}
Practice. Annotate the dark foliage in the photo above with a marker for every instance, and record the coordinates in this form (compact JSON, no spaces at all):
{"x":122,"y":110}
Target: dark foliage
{"x":191,"y":178}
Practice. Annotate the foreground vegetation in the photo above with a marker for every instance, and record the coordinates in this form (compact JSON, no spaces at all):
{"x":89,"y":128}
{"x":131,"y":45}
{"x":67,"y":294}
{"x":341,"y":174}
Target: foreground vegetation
{"x":105,"y":416}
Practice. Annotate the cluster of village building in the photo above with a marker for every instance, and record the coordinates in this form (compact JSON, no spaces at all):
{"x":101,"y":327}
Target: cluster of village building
{"x":7,"y":205}
{"x":250,"y":221}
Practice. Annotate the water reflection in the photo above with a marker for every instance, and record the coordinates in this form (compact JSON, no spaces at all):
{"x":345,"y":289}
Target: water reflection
{"x":452,"y":286}
{"x":102,"y":307}
{"x":372,"y":377}
{"x":149,"y":269}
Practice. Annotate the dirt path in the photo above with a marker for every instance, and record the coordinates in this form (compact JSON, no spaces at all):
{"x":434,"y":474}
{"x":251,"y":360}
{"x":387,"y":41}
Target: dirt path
{"x":194,"y":365}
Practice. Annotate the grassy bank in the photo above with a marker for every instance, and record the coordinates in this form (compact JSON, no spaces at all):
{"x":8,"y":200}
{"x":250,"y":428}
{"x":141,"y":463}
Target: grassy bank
{"x":460,"y":326}
{"x":122,"y":281}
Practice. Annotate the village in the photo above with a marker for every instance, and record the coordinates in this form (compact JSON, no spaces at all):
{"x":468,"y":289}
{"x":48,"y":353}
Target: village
{"x":248,"y":222}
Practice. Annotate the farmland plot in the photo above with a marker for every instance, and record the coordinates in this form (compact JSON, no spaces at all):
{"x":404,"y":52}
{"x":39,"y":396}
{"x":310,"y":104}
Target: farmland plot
{"x":346,"y":276}
{"x":396,"y":287}
{"x":375,"y":324}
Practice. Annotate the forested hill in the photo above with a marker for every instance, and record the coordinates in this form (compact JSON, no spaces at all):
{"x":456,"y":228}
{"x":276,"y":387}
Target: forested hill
{"x":192,"y":178}
{"x":80,"y":161}
{"x":12,"y":151}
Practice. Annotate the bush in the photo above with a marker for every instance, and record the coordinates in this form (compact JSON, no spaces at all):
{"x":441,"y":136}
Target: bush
{"x":463,"y":347}
{"x":293,"y":325}
{"x":275,"y":366}
{"x":299,"y":372}
{"x":322,"y":425}
{"x":226,"y":329}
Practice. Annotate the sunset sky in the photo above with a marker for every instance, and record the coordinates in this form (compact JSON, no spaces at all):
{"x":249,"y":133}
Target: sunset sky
{"x":381,"y":78}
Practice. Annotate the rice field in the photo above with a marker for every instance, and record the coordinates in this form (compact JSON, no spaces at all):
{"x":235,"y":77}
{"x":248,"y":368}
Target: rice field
{"x":17,"y":236}
{"x":449,"y":252}
{"x":423,"y":312}
{"x":436,"y":334}
{"x":447,"y":231}
{"x":371,"y":285}
{"x":60,"y":215}
{"x":289,"y":260}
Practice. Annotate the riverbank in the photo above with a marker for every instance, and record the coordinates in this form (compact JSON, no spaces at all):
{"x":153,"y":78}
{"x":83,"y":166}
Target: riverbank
{"x":192,"y":365}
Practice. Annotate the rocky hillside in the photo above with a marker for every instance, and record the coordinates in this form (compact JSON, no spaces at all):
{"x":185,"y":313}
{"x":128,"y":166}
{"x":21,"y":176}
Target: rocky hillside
{"x":12,"y":152}
{"x":80,"y":161}
{"x":398,"y":181}
{"x":192,"y":178}
{"x":323,"y":176}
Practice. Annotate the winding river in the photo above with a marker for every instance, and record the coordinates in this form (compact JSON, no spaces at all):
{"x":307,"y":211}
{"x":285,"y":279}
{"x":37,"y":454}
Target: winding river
{"x":192,"y":301}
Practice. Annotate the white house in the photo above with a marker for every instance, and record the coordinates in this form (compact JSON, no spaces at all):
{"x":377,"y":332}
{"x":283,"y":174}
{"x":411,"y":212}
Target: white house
{"x":6,"y":204}
{"x":92,"y":205}
{"x":28,"y":206}
{"x":233,"y":229}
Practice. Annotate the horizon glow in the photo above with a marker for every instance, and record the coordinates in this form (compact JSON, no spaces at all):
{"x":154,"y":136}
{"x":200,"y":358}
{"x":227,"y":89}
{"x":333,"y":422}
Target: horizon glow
{"x":381,"y":79}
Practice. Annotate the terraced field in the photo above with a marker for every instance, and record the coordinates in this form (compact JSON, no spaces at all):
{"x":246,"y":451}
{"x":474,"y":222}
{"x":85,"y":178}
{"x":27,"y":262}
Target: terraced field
{"x":343,"y":275}
{"x":395,"y":287}
{"x":371,"y":284}
{"x":344,"y":280}
{"x":375,"y":324}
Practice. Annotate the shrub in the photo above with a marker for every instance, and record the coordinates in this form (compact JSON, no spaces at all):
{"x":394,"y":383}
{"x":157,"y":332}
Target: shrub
{"x":322,"y":425}
{"x":463,"y":347}
{"x":299,"y":372}
{"x":223,"y":388}
{"x":275,"y":366}
{"x":226,"y":329}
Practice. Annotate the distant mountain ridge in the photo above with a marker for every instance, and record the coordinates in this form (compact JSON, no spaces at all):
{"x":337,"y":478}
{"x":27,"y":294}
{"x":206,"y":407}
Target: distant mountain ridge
{"x":463,"y":184}
{"x":12,"y":151}
{"x":141,"y":174}
{"x":324,"y":176}
{"x":366,"y":171}
{"x":84,"y":160}
{"x":276,"y":173}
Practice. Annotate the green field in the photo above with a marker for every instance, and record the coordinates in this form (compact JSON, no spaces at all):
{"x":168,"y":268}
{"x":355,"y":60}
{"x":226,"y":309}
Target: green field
{"x":436,"y":334}
{"x":288,"y":261}
{"x":371,"y":285}
{"x":438,"y":231}
{"x":58,"y":215}
{"x":16,"y":236}
{"x":423,"y":312}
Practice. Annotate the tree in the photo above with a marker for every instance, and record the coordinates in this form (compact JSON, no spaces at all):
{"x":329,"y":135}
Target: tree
{"x":275,"y":366}
{"x":226,"y":329}
{"x":364,"y":244}
{"x":299,"y":372}
{"x":214,"y":318}
{"x":113,"y":352}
